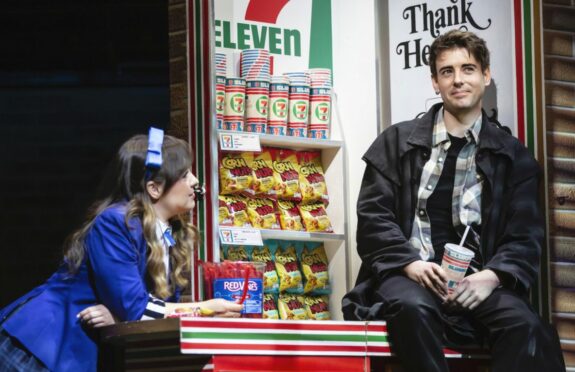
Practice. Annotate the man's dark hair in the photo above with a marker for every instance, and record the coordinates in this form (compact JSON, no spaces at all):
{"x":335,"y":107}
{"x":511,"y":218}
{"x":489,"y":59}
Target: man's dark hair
{"x":475,"y":45}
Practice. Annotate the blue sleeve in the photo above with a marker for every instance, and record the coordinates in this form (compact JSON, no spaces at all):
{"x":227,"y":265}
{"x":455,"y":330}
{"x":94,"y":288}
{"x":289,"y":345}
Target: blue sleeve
{"x":114,"y":257}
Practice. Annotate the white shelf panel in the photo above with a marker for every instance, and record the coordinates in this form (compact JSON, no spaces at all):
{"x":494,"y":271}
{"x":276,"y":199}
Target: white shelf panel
{"x":301,"y":235}
{"x":293,"y":142}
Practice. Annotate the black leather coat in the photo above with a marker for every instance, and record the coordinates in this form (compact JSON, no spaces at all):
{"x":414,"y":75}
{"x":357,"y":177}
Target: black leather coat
{"x":512,"y":228}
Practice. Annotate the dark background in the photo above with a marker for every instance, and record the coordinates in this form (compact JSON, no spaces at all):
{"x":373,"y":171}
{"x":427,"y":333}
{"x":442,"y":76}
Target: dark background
{"x":77,"y":78}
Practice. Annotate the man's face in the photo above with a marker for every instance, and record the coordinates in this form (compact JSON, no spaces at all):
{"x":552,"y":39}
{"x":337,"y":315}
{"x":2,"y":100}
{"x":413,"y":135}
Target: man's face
{"x":460,"y":81}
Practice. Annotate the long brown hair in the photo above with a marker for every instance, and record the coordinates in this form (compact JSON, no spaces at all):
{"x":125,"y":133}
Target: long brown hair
{"x":125,"y":182}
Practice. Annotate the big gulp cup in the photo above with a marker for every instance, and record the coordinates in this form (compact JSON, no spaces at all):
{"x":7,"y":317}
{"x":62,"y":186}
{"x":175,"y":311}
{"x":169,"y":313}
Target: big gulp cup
{"x":455,"y":262}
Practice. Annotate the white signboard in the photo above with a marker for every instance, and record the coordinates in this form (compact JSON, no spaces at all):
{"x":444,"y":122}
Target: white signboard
{"x":413,"y":25}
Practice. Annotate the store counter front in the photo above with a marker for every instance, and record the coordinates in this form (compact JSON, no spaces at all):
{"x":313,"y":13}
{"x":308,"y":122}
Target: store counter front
{"x":215,"y":344}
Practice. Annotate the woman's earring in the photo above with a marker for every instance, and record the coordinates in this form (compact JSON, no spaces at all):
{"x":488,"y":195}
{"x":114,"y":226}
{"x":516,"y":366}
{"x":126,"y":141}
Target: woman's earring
{"x":436,"y":92}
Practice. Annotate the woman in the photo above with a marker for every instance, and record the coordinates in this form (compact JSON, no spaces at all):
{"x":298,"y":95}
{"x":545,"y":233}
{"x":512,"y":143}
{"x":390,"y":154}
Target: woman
{"x":132,"y":255}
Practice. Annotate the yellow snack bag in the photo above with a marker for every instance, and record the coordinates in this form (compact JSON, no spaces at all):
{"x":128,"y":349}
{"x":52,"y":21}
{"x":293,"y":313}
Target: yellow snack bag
{"x":233,"y":211}
{"x":317,"y":307}
{"x":264,"y":254}
{"x":287,"y":268}
{"x":291,"y":307}
{"x":270,"y":307}
{"x":285,"y":166}
{"x":314,"y":267}
{"x":290,"y":218}
{"x":263,"y":173}
{"x":235,"y":253}
{"x":263,"y":214}
{"x":311,"y":177}
{"x":235,"y":172}
{"x":315,"y":217}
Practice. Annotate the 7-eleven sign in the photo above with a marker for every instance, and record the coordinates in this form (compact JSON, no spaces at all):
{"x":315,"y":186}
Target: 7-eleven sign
{"x":297,"y":33}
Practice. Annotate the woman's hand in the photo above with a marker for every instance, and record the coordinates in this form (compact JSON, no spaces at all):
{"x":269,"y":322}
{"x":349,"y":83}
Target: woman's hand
{"x":222,"y":308}
{"x":96,"y":316}
{"x":430,"y":275}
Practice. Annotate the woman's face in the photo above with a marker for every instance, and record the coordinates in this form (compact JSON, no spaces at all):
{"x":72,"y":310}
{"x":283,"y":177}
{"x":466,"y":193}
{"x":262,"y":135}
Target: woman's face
{"x":180,"y":198}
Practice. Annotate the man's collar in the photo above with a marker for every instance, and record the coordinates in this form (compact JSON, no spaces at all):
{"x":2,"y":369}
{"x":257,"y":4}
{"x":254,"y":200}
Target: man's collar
{"x":490,"y":137}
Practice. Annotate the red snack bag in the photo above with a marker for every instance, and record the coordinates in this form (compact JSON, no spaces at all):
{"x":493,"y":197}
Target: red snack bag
{"x":286,"y":174}
{"x":311,"y":177}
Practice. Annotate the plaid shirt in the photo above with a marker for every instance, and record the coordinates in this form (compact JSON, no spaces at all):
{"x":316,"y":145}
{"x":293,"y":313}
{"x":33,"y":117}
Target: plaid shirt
{"x":466,"y":200}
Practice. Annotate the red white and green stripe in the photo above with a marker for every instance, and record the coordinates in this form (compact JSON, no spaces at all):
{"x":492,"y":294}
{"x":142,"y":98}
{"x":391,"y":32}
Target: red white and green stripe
{"x":272,"y":337}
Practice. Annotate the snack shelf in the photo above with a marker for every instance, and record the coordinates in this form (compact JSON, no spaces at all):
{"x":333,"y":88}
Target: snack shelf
{"x":295,"y":143}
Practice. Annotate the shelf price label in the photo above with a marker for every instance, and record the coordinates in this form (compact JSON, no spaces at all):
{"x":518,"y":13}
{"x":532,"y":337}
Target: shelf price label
{"x":239,"y":236}
{"x":240,"y":142}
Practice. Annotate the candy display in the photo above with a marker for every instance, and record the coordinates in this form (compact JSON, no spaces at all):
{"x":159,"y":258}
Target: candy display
{"x":240,"y":281}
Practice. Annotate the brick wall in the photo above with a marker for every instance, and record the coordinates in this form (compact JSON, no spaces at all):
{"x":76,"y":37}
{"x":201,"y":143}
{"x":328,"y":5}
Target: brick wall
{"x":178,"y":68}
{"x":559,"y":62}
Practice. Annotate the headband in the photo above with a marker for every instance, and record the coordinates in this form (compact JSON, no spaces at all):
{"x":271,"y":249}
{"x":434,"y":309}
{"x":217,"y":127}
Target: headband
{"x":154,"y":154}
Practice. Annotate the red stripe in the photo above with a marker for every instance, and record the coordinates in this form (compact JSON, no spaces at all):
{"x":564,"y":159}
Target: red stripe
{"x":299,"y":96}
{"x":207,"y":127}
{"x":454,"y":261}
{"x":519,"y":71}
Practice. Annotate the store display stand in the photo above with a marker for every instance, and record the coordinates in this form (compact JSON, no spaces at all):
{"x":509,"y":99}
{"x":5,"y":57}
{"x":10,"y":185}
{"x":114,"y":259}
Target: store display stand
{"x":334,"y":164}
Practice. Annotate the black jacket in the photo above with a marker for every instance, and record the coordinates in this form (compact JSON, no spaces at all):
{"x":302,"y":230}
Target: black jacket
{"x":512,"y":229}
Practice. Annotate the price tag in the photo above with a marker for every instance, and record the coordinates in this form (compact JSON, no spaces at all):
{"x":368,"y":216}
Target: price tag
{"x":239,"y":236}
{"x":240,"y":142}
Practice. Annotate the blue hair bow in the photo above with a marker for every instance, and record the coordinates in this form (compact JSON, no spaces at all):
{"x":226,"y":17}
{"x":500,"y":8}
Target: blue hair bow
{"x":154,"y":155}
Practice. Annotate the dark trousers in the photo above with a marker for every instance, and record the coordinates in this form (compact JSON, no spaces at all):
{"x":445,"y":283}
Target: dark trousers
{"x":419,"y":327}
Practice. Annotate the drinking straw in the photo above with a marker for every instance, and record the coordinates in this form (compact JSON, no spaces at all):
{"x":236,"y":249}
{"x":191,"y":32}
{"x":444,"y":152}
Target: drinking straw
{"x":245,"y":291}
{"x":464,"y":236}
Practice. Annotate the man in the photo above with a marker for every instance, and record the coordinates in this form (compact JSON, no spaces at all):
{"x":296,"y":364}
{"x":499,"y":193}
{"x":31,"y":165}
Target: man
{"x":426,"y":180}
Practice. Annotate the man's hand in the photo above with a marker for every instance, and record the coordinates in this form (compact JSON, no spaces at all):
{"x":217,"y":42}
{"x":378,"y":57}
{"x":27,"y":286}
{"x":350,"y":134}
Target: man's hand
{"x":96,"y":316}
{"x":473,"y":290}
{"x":430,"y":275}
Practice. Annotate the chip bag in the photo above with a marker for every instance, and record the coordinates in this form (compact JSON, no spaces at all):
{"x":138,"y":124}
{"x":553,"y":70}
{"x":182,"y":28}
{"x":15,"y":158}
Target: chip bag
{"x":316,"y":307}
{"x":311,"y":177}
{"x":236,"y":252}
{"x":265,"y":254}
{"x":263,"y":214}
{"x":233,"y":211}
{"x":291,"y":307}
{"x":315,"y":217}
{"x":270,"y":307}
{"x":263,"y":173}
{"x":314,"y":267}
{"x":287,"y":267}
{"x":285,"y":166}
{"x":236,"y":172}
{"x":290,"y":218}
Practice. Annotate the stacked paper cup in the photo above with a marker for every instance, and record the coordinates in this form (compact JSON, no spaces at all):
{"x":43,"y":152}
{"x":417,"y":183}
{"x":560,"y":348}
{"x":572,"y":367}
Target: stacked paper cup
{"x":255,"y":69}
{"x":279,"y":106}
{"x":298,"y":103}
{"x":234,"y":104}
{"x":320,"y":102}
{"x":221,"y":67}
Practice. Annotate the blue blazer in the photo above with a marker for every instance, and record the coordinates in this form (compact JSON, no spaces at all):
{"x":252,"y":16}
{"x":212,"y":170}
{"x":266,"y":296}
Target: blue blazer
{"x":112,"y":273}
